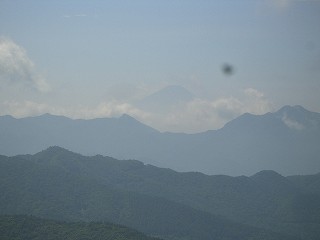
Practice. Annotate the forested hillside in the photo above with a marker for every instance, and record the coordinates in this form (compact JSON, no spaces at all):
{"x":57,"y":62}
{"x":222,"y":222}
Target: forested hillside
{"x":31,"y":228}
{"x":160,"y":120}
{"x":63,"y":185}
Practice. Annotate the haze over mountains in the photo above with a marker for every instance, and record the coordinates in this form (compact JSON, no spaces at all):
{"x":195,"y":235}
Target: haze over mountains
{"x":147,"y":120}
{"x":165,"y":100}
{"x":59,"y":184}
{"x":286,"y":141}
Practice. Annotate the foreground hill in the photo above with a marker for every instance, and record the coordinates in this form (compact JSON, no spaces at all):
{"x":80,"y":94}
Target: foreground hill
{"x":60,"y":184}
{"x":32,"y":228}
{"x":285,"y":141}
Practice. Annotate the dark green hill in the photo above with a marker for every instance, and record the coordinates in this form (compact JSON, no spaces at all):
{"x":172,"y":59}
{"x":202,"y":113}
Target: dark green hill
{"x":309,"y":183}
{"x":32,"y":228}
{"x":58,"y":184}
{"x":265,"y":200}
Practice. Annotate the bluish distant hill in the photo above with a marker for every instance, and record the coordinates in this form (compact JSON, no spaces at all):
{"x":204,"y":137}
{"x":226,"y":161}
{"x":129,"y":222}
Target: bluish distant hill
{"x":286,"y":141}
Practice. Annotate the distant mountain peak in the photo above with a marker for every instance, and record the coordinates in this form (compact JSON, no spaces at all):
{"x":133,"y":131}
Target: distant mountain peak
{"x":175,"y":92}
{"x":131,"y":121}
{"x":127,"y":117}
{"x":54,"y":151}
{"x":47,"y":115}
{"x":298,"y":118}
{"x":274,"y":182}
{"x":166,"y":98}
{"x":51,"y":116}
{"x":267,"y":174}
{"x":292,"y":109}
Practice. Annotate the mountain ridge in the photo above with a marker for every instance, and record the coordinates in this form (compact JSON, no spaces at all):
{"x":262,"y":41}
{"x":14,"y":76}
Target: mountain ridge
{"x":266,"y":200}
{"x":127,"y":117}
{"x":68,"y":186}
{"x":286,"y":143}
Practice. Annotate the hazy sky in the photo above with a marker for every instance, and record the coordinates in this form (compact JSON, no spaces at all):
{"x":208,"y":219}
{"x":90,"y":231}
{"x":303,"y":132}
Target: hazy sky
{"x":87,"y":59}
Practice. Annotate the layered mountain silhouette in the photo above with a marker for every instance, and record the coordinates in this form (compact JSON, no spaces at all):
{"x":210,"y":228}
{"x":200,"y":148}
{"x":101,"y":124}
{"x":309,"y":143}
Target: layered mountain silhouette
{"x":62,"y":185}
{"x":286,"y":141}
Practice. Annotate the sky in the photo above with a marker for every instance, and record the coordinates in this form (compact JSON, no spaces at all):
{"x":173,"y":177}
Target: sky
{"x":89,"y":59}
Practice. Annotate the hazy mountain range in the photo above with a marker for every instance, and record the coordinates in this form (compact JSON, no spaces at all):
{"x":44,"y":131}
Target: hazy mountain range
{"x":59,"y":184}
{"x":286,"y":141}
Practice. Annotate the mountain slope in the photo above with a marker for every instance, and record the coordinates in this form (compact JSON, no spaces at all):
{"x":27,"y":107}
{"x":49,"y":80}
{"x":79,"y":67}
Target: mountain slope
{"x":285,"y":141}
{"x":265,"y":200}
{"x":26,"y":227}
{"x":118,"y":136}
{"x":56,"y":184}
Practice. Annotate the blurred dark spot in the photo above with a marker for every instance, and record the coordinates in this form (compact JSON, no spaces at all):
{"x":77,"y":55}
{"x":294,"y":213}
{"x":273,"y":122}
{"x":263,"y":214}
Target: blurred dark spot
{"x":227,"y":69}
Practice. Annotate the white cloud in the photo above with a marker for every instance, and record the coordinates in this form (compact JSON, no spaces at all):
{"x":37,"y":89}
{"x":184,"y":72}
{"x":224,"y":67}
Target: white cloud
{"x":255,"y":102}
{"x":108,"y":109}
{"x":251,"y":92}
{"x":194,"y":116}
{"x":291,"y":123}
{"x":105,"y":109}
{"x":201,"y":115}
{"x":17,"y":68}
{"x":24,"y":108}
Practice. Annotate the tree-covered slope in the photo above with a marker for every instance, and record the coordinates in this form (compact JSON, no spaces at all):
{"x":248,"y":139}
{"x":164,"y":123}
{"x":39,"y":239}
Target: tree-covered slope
{"x":265,"y":200}
{"x":45,"y":186}
{"x":19,"y":227}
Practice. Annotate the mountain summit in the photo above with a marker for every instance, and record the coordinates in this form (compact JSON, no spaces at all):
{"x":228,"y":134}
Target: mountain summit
{"x":297,"y":117}
{"x":166,"y":99}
